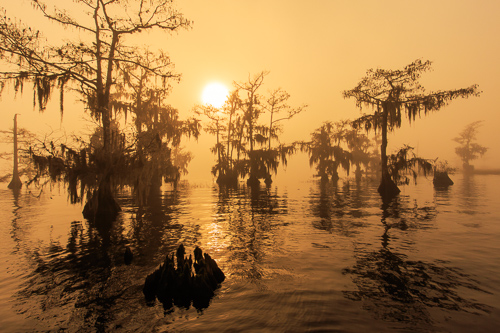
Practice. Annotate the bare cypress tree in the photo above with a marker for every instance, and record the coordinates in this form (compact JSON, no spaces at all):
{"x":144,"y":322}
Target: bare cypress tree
{"x":15,"y":183}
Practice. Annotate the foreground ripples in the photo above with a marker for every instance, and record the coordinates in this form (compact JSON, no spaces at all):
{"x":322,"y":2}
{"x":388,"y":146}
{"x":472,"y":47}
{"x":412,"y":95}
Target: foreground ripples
{"x":308,"y":257}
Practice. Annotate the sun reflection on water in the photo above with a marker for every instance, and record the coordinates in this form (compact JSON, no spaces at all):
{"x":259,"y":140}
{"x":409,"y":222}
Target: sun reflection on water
{"x":329,"y":258}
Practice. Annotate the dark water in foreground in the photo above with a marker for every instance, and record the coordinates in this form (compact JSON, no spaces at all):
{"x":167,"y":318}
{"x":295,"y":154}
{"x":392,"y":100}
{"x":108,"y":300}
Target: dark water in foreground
{"x":297,"y":258}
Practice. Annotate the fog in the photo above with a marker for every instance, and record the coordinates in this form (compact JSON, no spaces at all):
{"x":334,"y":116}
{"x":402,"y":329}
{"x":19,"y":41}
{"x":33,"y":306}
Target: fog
{"x":82,"y":248}
{"x":314,"y":52}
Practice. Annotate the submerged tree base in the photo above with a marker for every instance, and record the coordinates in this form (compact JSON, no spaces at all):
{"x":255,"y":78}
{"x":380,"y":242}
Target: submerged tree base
{"x":253,"y":181}
{"x":179,"y":285}
{"x":388,"y":189}
{"x":228,"y":179}
{"x":441,"y":179}
{"x":101,"y":205}
{"x":15,"y":183}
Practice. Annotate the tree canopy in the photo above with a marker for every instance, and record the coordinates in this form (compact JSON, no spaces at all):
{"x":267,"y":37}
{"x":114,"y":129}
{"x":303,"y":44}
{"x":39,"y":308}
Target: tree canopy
{"x":393,"y":95}
{"x":469,"y":150}
{"x":101,"y":62}
{"x":246,"y":144}
{"x":90,"y":61}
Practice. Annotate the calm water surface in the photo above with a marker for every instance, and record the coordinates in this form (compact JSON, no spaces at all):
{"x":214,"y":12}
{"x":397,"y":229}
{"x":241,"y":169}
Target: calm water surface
{"x":301,"y":257}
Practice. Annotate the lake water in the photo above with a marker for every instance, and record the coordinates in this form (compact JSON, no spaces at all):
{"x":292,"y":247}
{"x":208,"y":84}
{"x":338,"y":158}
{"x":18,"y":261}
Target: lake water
{"x":301,"y":257}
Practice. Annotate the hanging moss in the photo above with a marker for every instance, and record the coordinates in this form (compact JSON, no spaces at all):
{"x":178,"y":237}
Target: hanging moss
{"x":42,"y":89}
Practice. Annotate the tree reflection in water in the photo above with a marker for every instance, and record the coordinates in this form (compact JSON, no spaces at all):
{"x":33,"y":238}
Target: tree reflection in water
{"x":398,"y":289}
{"x":156,"y":230}
{"x":80,"y":282}
{"x":252,"y":216}
{"x":341,"y":209}
{"x":469,"y":193}
{"x":85,"y":284}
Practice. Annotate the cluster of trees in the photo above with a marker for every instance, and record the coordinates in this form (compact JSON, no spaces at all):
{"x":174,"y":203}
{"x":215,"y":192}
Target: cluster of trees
{"x":114,"y":77}
{"x":247,"y":132}
{"x":343,"y":145}
{"x":339,"y":144}
{"x":393,"y":95}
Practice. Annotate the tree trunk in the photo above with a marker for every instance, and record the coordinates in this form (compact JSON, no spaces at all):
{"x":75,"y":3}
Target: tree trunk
{"x":106,"y":129}
{"x":229,"y":151}
{"x":252,"y":180}
{"x":387,"y":188}
{"x":218,"y":147}
{"x":358,"y":173}
{"x":324,"y":178}
{"x":15,"y":183}
{"x":101,"y":206}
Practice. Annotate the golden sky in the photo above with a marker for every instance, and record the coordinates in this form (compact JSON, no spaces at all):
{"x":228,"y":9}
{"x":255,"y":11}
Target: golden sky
{"x":315,"y":50}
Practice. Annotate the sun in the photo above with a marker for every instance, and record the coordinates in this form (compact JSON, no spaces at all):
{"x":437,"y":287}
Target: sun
{"x":215,"y":94}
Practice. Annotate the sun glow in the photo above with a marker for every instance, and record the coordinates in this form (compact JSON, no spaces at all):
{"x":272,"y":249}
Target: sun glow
{"x":215,"y":94}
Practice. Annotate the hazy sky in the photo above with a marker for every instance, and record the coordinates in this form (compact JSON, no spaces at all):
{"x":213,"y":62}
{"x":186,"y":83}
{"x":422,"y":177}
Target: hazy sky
{"x":315,"y":50}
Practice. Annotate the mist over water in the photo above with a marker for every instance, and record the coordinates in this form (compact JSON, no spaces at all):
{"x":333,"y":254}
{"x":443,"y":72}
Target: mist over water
{"x":266,"y":92}
{"x":297,"y":256}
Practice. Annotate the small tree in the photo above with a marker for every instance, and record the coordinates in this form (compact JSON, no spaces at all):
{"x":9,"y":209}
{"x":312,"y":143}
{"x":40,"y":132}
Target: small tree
{"x":358,"y":145}
{"x":234,"y":138}
{"x":216,"y":127}
{"x":404,"y":163}
{"x":22,"y":165}
{"x":276,"y":104}
{"x":393,"y":94}
{"x":468,"y":149}
{"x":325,"y":151}
{"x":441,"y":177}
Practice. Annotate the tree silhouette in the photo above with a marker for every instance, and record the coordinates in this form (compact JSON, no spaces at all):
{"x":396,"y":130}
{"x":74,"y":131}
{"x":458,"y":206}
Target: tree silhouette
{"x":244,"y":145}
{"x":22,"y":164}
{"x":393,"y":94}
{"x":217,"y":127}
{"x":15,"y":183}
{"x":158,"y":129}
{"x":234,"y":137}
{"x":404,"y":162}
{"x":91,"y":62}
{"x":325,"y":151}
{"x":251,"y":113}
{"x":275,"y":105}
{"x":468,"y":149}
{"x":358,"y":145}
